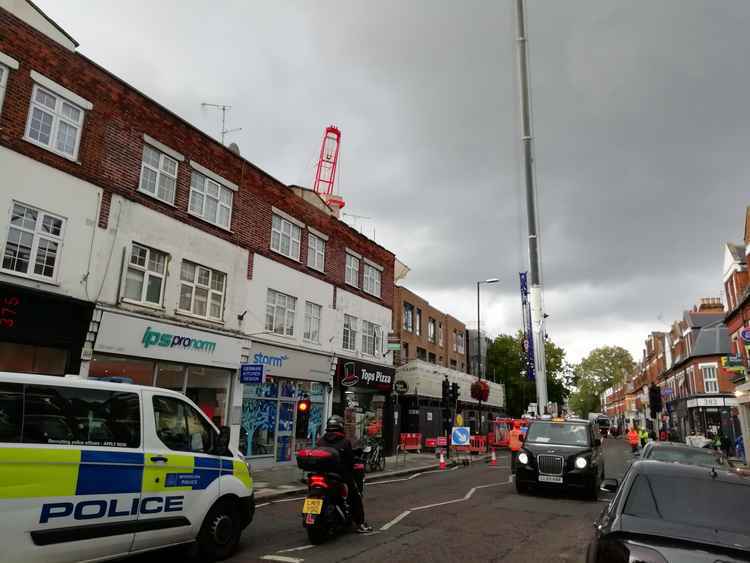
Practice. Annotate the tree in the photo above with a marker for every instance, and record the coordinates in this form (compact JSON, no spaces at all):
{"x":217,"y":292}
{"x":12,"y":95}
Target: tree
{"x":506,"y":364}
{"x":601,"y":369}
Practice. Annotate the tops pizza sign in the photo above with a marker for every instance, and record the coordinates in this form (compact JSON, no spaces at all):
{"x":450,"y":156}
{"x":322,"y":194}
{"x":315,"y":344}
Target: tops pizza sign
{"x":352,"y":373}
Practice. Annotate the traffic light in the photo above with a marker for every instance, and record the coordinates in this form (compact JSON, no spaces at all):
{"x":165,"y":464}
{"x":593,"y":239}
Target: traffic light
{"x":455,"y":392}
{"x":654,"y":400}
{"x":446,"y":392}
{"x":303,"y":418}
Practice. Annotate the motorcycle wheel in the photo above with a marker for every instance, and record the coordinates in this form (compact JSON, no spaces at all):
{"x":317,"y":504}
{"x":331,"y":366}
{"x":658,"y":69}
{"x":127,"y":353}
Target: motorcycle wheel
{"x":381,"y":462}
{"x":317,"y":535}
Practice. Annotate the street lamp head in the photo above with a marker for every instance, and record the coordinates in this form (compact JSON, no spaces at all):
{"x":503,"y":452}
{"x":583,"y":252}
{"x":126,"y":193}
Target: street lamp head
{"x":492,"y":280}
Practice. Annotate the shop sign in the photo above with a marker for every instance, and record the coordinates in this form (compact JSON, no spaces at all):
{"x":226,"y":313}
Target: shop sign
{"x":145,"y":338}
{"x":291,"y":364}
{"x":733,"y":364}
{"x":401,"y":387}
{"x":745,"y":334}
{"x":705,"y":402}
{"x":355,"y":373}
{"x":251,"y":373}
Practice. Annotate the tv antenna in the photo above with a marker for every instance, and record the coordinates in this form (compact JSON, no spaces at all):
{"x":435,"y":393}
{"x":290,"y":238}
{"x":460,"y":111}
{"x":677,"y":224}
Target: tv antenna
{"x":223,"y":109}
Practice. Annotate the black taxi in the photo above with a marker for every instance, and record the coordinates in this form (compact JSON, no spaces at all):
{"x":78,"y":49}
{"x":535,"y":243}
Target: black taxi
{"x":561,"y":453}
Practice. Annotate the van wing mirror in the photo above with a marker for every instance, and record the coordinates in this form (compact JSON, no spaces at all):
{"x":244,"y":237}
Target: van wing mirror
{"x":221,"y":445}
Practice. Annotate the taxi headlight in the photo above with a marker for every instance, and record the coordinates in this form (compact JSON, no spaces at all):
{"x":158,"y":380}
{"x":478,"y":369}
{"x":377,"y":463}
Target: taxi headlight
{"x":581,"y":462}
{"x":523,"y":458}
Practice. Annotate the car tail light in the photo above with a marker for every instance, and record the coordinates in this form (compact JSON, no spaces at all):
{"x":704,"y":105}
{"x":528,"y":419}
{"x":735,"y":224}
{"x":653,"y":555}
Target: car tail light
{"x":318,"y":481}
{"x":359,"y":467}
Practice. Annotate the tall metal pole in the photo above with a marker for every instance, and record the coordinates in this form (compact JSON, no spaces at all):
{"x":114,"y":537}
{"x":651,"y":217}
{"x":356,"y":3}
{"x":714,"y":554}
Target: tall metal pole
{"x":479,"y":341}
{"x":535,"y":292}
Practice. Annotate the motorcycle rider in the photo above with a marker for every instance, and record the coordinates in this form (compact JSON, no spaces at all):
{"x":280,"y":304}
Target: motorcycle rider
{"x":334,"y":437}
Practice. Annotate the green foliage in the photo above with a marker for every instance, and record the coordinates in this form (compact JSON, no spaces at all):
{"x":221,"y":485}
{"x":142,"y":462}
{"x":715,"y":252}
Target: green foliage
{"x":505,"y":364}
{"x":601,"y":369}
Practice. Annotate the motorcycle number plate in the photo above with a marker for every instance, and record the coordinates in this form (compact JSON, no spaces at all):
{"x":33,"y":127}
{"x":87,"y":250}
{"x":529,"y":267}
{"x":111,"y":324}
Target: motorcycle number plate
{"x":312,"y":506}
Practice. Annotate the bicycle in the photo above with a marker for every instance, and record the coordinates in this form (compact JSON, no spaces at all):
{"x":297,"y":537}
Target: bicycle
{"x":375,"y":460}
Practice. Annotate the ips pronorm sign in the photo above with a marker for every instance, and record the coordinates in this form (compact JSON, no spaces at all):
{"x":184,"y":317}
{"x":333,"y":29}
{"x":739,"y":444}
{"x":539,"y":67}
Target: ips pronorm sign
{"x":130,"y":335}
{"x":165,"y":340}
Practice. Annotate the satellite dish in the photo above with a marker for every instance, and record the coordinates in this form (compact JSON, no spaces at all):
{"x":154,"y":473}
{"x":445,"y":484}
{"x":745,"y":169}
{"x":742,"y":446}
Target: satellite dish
{"x":235,"y":148}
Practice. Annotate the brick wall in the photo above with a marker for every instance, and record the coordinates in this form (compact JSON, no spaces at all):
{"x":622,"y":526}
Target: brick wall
{"x":443,"y":354}
{"x":111,"y":150}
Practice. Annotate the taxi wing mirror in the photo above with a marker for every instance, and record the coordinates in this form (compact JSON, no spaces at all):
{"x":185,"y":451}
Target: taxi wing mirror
{"x":221,"y":445}
{"x":609,"y":485}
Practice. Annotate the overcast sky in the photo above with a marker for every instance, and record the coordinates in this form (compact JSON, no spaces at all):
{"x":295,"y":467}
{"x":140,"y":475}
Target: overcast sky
{"x":640,"y":113}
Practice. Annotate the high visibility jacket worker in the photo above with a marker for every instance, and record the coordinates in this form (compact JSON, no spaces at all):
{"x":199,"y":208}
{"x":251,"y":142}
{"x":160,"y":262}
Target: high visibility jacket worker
{"x":633,"y":437}
{"x":514,"y":440}
{"x":643,"y":435}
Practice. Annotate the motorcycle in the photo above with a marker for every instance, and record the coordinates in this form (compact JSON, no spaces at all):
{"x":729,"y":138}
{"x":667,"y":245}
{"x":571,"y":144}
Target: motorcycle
{"x":326,"y":509}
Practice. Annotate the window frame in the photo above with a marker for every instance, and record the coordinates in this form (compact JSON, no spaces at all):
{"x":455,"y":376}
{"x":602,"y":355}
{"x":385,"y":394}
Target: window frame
{"x":714,"y":380}
{"x":187,"y":408}
{"x":37,"y":234}
{"x":418,"y":322}
{"x":307,"y":334}
{"x":57,"y":116}
{"x":352,"y":329}
{"x":287,"y":310}
{"x":208,"y":287}
{"x":146,"y":276}
{"x":432,"y":330}
{"x":4,"y":73}
{"x":314,"y":252}
{"x":374,"y":278}
{"x":349,"y":269}
{"x":376,"y":336}
{"x":163,"y":157}
{"x":205,"y":195}
{"x":281,"y":234}
{"x":408,"y":317}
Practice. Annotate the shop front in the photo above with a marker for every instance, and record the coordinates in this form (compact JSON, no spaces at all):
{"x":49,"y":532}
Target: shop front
{"x":364,"y":397}
{"x":269,"y":433}
{"x":200,"y":364}
{"x":41,"y":332}
{"x":700,"y":415}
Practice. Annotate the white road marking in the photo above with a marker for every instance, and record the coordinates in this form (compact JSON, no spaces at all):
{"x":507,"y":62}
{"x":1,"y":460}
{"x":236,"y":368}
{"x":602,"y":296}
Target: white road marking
{"x":414,"y":476}
{"x":262,"y":504}
{"x":300,"y":548}
{"x":396,"y":520}
{"x":281,"y":558}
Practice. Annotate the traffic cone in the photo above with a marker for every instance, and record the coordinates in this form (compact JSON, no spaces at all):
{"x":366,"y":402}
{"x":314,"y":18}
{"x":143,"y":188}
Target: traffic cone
{"x":442,"y":460}
{"x":493,"y":461}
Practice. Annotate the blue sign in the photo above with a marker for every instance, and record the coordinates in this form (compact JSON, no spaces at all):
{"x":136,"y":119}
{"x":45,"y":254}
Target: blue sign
{"x":251,"y":373}
{"x":460,"y":436}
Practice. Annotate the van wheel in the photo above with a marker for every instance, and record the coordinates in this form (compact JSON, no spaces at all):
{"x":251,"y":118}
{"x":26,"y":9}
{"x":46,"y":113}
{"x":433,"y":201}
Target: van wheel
{"x":220,"y":532}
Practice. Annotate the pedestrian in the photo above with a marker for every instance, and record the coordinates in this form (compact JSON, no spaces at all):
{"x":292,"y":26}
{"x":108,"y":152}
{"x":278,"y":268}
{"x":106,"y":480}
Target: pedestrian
{"x":643,"y":436}
{"x":633,"y":439}
{"x":514,"y":443}
{"x":724,"y":443}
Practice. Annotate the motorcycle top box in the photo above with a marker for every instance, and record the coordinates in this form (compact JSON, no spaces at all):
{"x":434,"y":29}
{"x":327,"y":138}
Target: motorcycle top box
{"x":323,"y":460}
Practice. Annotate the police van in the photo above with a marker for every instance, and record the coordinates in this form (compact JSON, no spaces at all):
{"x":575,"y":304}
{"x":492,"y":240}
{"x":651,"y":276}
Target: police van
{"x":93,"y":470}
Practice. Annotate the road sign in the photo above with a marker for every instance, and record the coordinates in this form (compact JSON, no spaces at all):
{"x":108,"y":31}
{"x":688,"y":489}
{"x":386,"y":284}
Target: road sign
{"x":401,"y":387}
{"x":460,"y":436}
{"x":459,"y":420}
{"x":745,"y":334}
{"x":251,"y":373}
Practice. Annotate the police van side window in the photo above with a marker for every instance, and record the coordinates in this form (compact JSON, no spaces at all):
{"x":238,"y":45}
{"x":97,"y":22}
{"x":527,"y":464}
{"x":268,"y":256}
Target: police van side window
{"x":180,"y":427}
{"x":81,"y":416}
{"x":11,"y":411}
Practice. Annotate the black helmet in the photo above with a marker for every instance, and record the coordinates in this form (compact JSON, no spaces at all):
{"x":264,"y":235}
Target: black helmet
{"x":335,"y":424}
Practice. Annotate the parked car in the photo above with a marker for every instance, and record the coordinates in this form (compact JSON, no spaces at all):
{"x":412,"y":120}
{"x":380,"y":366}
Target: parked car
{"x":677,"y":452}
{"x":673,"y":512}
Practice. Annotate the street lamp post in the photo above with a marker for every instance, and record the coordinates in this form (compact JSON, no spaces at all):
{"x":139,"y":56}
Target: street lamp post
{"x":479,"y":343}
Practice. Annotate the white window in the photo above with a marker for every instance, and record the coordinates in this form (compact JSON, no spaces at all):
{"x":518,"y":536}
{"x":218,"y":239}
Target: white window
{"x":352,"y":270}
{"x":431,"y":336}
{"x":409,"y":317}
{"x":454,"y":341}
{"x":312,"y":322}
{"x":3,"y":83}
{"x":372,"y":280}
{"x":418,"y":331}
{"x":54,"y":123}
{"x":460,"y":339}
{"x":350,"y":333}
{"x":144,"y":280}
{"x":371,"y":338}
{"x":34,"y":242}
{"x":202,"y":291}
{"x":158,"y":174}
{"x":440,"y":333}
{"x":280,"y":313}
{"x":210,"y":200}
{"x":285,"y":237}
{"x":316,"y":252}
{"x":710,"y":382}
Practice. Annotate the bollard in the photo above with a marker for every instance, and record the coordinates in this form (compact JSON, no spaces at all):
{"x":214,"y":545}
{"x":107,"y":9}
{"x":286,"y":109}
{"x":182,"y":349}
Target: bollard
{"x":442,"y":460}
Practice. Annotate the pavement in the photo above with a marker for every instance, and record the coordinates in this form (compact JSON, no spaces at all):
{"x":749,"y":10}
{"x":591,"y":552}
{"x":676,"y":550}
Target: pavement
{"x":280,"y":481}
{"x":464,"y":513}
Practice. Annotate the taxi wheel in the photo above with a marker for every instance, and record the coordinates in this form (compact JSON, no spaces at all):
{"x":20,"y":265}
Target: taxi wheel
{"x":522,"y":488}
{"x":220,"y":532}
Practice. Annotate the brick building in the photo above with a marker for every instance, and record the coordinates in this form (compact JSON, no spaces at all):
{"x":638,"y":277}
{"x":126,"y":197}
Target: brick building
{"x":124,"y":224}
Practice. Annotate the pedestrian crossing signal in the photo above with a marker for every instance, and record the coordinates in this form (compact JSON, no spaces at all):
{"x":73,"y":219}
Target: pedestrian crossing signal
{"x":303,"y":418}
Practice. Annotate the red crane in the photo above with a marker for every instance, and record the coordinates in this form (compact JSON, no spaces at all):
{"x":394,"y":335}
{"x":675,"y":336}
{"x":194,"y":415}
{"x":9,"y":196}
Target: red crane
{"x":325,"y":173}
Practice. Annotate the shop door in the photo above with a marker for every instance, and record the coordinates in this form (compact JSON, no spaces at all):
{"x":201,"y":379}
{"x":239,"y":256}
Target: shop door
{"x":285,"y":431}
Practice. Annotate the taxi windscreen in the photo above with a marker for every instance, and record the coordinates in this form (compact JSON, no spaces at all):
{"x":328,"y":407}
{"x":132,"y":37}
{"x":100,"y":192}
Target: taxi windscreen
{"x":558,"y":433}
